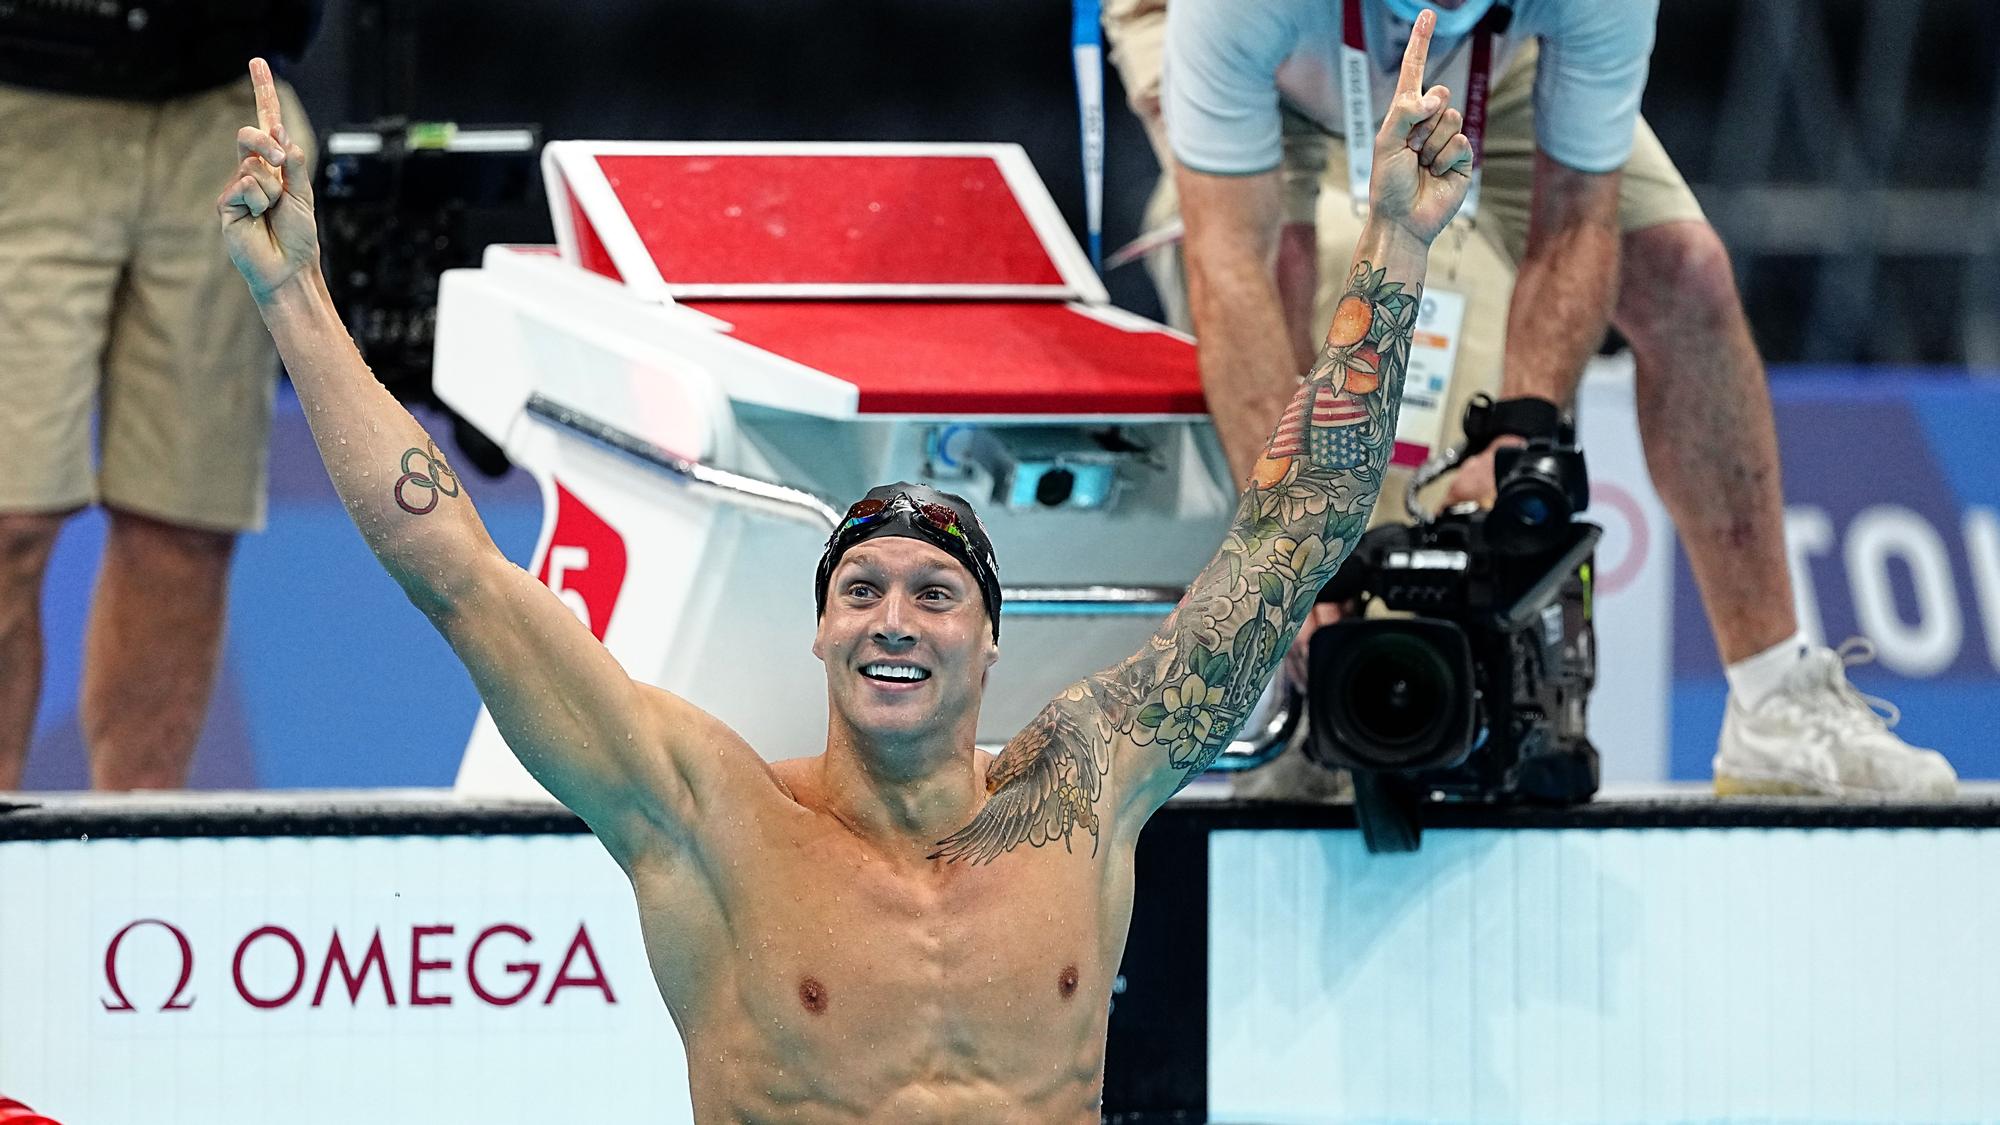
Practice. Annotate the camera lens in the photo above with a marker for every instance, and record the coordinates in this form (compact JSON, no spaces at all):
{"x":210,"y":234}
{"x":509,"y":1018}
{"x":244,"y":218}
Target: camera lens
{"x":1396,"y":695}
{"x":1393,"y":694}
{"x":1528,"y":514}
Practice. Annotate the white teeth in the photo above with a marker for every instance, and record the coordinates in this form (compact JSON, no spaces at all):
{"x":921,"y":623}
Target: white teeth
{"x":895,"y":672}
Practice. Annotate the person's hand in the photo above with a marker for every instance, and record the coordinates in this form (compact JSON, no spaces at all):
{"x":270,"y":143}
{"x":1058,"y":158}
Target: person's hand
{"x":267,"y":209}
{"x":1423,"y":163}
{"x":1296,"y":657}
{"x":1474,"y":480}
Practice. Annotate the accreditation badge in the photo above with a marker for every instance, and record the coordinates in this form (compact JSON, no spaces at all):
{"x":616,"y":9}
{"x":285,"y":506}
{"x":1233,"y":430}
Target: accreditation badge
{"x":1427,"y":378}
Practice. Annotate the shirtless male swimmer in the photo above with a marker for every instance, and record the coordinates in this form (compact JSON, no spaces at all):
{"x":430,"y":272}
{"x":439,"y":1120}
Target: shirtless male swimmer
{"x":903,"y":928}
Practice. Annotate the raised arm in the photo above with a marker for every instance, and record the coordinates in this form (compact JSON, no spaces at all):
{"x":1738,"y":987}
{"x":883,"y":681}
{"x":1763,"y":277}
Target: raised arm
{"x":1309,"y":495}
{"x":1150,"y":724}
{"x":585,"y":730}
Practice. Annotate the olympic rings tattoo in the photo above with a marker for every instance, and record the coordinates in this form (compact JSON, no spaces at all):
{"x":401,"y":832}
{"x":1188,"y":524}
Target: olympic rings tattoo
{"x":435,"y":478}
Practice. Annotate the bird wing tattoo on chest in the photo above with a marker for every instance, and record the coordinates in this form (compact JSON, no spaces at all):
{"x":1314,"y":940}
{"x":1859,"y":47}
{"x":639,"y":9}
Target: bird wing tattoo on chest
{"x":1044,"y":786}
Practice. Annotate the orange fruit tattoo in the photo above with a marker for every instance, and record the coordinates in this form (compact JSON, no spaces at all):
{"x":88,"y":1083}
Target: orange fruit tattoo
{"x":1360,"y":382}
{"x":1350,"y":321}
{"x":1269,"y":471}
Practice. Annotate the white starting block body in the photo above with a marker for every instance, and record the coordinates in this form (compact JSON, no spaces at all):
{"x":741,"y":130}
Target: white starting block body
{"x":730,"y":343}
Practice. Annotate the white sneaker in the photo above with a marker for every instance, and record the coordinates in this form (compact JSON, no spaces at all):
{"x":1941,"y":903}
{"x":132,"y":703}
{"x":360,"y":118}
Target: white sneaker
{"x":1776,"y":749}
{"x":1817,"y":736}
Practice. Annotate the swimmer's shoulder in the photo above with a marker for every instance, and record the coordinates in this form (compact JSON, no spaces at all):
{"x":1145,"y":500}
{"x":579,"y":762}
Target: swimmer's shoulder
{"x":794,"y":778}
{"x":709,"y":753}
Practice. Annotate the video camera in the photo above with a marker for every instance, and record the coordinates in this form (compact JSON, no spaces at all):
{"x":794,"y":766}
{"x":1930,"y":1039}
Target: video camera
{"x":1479,"y":694}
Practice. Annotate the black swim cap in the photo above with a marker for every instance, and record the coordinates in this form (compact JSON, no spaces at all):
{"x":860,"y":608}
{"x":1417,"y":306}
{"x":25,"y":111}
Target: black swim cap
{"x":916,"y":511}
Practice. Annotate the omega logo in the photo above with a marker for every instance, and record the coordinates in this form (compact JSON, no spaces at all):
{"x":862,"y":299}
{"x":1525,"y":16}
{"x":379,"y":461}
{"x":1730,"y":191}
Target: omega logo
{"x":430,"y":967}
{"x":177,"y":1000}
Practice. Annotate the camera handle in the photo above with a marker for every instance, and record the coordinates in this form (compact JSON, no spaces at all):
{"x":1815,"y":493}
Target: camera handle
{"x":1437,"y":465}
{"x":1389,"y":811}
{"x":1485,"y":421}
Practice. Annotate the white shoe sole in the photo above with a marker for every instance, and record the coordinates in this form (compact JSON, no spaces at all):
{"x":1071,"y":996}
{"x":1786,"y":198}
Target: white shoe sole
{"x":1736,"y":785}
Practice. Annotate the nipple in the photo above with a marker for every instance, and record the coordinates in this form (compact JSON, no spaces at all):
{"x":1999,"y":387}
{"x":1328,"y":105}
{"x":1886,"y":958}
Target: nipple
{"x":812,"y":994}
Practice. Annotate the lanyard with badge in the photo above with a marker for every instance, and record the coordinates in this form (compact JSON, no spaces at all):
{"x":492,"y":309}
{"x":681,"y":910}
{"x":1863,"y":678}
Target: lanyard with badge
{"x":1441,"y":315}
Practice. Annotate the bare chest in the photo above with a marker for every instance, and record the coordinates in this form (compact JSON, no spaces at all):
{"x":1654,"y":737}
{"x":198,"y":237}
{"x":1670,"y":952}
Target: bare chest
{"x":825,"y":960}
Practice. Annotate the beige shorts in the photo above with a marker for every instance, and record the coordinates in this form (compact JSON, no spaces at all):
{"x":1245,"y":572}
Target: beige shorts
{"x":1476,"y":258}
{"x":117,"y":298}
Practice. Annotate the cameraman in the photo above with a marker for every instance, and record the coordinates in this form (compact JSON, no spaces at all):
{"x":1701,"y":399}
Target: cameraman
{"x":1582,"y":221}
{"x":116,"y":297}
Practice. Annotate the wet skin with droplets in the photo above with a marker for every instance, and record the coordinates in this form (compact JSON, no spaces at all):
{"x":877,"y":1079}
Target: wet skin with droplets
{"x":816,"y":979}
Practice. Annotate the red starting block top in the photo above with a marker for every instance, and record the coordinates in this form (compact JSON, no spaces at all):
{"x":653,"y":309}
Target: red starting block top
{"x":937,"y":279}
{"x":979,"y":357}
{"x":814,"y":220}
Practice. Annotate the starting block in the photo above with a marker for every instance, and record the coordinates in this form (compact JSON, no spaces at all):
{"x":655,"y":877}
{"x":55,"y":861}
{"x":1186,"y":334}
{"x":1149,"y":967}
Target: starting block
{"x":730,"y":342}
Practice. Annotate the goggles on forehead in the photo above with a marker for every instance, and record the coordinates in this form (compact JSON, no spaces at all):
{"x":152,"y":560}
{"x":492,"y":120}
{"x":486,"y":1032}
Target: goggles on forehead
{"x":950,"y":530}
{"x":866,"y":512}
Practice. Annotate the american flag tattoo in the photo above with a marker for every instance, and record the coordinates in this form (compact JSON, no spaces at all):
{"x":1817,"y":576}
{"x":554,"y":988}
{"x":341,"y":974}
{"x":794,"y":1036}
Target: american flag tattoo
{"x":1329,"y":425}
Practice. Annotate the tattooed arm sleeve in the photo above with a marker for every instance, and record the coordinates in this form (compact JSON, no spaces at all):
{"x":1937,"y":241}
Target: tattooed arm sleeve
{"x":1153,"y":722}
{"x":1301,"y":514}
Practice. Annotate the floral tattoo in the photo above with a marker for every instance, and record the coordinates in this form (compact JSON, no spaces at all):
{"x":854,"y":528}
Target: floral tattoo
{"x":1189,"y":691}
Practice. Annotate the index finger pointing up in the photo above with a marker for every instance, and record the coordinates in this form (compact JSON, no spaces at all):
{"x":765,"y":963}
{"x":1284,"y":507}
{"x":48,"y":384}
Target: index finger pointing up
{"x":1417,"y":54}
{"x":267,"y":94}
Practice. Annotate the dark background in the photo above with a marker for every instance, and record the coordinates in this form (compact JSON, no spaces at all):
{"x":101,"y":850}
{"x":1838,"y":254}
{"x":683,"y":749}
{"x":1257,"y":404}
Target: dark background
{"x":1846,"y":150}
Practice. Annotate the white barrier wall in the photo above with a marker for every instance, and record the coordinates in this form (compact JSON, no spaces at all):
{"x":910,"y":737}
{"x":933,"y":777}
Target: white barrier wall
{"x":1630,"y":975}
{"x":239,"y":981}
{"x":1570,"y":975}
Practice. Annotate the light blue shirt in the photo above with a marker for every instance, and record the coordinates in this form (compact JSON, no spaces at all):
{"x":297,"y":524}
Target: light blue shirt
{"x":1231,"y":64}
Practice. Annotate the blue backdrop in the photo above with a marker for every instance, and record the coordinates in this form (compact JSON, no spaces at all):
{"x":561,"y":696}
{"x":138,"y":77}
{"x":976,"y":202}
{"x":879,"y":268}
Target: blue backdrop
{"x":331,"y":679}
{"x":1892,"y":495}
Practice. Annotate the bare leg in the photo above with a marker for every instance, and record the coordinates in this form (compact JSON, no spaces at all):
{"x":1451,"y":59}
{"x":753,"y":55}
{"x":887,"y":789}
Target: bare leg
{"x":1298,"y":284}
{"x":156,"y":623}
{"x":1705,"y":418}
{"x":26,"y":540}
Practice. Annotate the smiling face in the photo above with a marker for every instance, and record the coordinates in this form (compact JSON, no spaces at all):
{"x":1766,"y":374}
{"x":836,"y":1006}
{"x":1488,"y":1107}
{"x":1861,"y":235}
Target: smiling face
{"x":905,"y":640}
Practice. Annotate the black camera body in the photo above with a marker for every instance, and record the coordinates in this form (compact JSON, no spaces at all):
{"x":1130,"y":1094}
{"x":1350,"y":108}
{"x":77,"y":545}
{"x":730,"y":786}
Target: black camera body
{"x":1482,"y":694}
